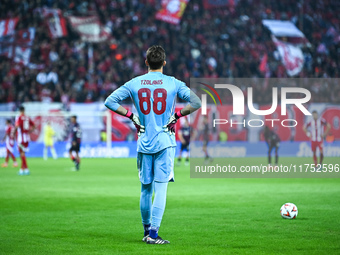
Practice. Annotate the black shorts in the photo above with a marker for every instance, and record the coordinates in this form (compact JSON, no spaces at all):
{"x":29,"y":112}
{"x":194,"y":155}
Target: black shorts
{"x":274,"y":144}
{"x":184,"y":146}
{"x":75,"y":147}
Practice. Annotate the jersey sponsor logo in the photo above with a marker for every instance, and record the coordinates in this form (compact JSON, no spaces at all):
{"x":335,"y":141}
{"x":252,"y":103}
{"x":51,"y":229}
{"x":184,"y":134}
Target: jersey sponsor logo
{"x":151,"y":82}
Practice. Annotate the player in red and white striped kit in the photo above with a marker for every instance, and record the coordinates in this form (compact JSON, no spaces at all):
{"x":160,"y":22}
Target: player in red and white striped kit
{"x":315,"y":130}
{"x":23,"y":127}
{"x":9,"y":137}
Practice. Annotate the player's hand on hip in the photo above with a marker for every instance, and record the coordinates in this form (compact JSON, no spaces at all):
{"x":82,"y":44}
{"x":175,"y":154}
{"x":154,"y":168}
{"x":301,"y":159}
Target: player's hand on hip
{"x":140,"y":128}
{"x":171,"y":124}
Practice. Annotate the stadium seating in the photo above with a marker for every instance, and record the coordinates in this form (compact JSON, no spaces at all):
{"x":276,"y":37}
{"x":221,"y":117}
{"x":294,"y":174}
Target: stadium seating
{"x":223,"y":42}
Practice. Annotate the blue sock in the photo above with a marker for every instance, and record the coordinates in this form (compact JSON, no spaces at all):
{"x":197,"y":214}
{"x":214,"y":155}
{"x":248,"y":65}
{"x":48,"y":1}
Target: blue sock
{"x":145,"y":205}
{"x":153,"y":233}
{"x":158,"y":207}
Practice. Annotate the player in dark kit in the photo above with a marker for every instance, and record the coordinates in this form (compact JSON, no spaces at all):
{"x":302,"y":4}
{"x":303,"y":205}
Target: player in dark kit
{"x":75,"y":140}
{"x":184,"y":137}
{"x":273,"y":141}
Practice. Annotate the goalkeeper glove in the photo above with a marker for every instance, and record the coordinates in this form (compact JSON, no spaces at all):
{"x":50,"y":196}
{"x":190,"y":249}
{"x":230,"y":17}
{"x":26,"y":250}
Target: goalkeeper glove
{"x":171,"y":125}
{"x":140,"y":128}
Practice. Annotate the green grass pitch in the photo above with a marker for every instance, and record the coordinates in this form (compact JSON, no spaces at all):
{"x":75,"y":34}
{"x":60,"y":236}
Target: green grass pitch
{"x":96,"y":211}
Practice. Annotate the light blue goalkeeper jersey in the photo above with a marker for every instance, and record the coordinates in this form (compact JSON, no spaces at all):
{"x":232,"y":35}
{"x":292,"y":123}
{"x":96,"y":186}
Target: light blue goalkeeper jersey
{"x":154,"y":95}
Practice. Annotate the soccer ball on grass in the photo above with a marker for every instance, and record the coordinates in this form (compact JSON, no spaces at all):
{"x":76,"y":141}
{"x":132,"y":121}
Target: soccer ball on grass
{"x":289,"y":211}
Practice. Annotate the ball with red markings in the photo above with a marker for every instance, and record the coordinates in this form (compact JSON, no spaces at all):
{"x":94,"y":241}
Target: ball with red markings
{"x":289,"y":211}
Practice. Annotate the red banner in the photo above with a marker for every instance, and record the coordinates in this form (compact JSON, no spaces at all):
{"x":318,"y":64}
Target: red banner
{"x":55,"y":22}
{"x":7,"y":26}
{"x":89,"y":28}
{"x":172,"y":11}
{"x":25,"y":37}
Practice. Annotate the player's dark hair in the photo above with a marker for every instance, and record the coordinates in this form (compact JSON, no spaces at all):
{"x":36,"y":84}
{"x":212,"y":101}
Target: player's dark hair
{"x":155,"y":56}
{"x":314,"y":111}
{"x":8,"y":121}
{"x":21,"y":108}
{"x":74,"y":116}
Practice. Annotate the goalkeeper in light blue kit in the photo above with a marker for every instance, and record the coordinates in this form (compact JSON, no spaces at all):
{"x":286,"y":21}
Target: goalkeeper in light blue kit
{"x":154,"y":95}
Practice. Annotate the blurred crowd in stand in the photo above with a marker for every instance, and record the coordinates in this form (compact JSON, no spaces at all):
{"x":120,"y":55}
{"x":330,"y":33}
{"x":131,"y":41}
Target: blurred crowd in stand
{"x":223,"y":42}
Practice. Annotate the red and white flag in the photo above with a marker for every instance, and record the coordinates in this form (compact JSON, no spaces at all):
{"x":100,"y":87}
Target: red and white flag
{"x":25,"y":37}
{"x":22,"y":55}
{"x":7,"y":26}
{"x":55,"y":22}
{"x":89,"y":28}
{"x":291,"y":56}
{"x":23,"y":42}
{"x":172,"y":11}
{"x":286,"y":29}
{"x":18,"y":46}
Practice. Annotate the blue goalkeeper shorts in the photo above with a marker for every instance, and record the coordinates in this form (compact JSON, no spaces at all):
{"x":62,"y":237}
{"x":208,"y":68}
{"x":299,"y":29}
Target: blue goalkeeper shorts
{"x":157,"y":167}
